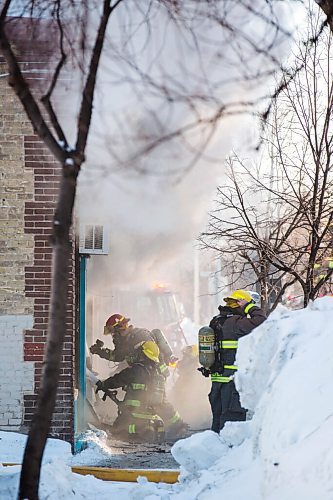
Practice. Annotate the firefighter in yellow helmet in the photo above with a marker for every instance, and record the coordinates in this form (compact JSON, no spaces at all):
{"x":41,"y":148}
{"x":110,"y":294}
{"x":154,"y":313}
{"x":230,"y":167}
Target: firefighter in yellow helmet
{"x":137,"y":419}
{"x":238,"y":317}
{"x":144,"y":414}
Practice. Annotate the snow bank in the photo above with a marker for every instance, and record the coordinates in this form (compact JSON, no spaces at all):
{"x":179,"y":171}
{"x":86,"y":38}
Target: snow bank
{"x":96,"y":451}
{"x":59,"y":483}
{"x":285,"y":378}
{"x":12,"y":447}
{"x":293,"y":406}
{"x":211,"y":446}
{"x":283,"y":453}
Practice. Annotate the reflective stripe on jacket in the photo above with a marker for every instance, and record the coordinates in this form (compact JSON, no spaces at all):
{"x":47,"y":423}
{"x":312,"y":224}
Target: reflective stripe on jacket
{"x":229,"y":326}
{"x":143,"y":383}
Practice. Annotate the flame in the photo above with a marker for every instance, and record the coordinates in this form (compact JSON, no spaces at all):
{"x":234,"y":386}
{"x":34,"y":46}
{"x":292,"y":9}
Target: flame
{"x":159,"y":286}
{"x":173,"y":365}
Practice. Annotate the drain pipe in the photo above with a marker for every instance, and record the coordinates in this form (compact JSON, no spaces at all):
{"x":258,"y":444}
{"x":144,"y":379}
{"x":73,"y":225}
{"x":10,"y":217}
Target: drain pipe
{"x":80,"y":400}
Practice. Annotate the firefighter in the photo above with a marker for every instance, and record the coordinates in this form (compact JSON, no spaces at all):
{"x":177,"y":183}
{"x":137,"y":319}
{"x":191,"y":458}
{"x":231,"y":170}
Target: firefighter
{"x":238,"y":317}
{"x":125,"y":337}
{"x":144,"y":414}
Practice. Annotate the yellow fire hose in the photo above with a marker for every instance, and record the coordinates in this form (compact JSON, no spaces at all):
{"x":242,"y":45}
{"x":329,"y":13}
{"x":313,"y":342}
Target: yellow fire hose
{"x":154,"y":475}
{"x":128,"y":475}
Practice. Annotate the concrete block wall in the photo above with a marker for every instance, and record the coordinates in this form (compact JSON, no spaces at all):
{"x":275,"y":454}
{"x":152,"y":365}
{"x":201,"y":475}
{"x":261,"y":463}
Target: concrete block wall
{"x":16,"y":376}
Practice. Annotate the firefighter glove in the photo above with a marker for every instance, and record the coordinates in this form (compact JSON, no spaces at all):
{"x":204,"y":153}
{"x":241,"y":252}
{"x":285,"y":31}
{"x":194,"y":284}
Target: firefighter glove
{"x":204,"y":371}
{"x":106,"y":354}
{"x":100,"y":386}
{"x":95,"y":349}
{"x":101,"y":352}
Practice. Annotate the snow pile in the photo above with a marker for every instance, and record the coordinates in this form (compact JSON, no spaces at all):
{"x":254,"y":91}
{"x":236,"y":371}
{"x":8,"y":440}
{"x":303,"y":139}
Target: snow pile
{"x":9,"y":477}
{"x":59,"y":483}
{"x":211,"y":448}
{"x":283,"y":453}
{"x":12,"y":448}
{"x":96,"y":449}
{"x":292,"y":425}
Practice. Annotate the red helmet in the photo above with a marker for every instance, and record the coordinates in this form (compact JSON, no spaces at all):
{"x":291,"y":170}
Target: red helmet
{"x":116,"y":320}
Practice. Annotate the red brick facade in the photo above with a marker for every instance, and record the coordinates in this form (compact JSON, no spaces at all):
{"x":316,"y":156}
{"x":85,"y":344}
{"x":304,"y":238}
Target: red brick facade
{"x":38,"y":218}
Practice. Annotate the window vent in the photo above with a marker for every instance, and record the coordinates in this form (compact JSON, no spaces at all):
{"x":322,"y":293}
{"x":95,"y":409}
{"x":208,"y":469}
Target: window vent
{"x":93,"y":239}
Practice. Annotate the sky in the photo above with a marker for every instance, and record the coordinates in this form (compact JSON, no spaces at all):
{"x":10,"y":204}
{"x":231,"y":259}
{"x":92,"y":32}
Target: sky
{"x":284,"y":452}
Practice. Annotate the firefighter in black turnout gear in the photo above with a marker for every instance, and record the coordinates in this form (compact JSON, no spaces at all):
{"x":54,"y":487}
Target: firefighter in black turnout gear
{"x":237,"y":318}
{"x":125,"y":337}
{"x":144,"y":415}
{"x":143,"y":384}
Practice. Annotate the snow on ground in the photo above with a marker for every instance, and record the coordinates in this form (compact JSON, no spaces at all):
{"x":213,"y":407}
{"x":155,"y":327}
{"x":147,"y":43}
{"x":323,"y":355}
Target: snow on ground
{"x":283,"y":453}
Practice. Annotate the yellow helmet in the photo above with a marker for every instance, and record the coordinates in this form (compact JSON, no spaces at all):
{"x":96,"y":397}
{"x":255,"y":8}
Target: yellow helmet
{"x":151,"y":350}
{"x":239,"y":295}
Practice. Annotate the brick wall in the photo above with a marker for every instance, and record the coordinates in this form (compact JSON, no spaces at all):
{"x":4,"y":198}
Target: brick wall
{"x":28,"y":192}
{"x":38,"y":221}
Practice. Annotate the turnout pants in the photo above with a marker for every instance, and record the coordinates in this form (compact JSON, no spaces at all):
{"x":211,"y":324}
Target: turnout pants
{"x":172,"y":420}
{"x":139,"y":426}
{"x":225,"y":404}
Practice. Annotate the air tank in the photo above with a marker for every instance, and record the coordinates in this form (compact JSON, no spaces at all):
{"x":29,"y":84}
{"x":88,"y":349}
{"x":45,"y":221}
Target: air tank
{"x":206,"y":344}
{"x":163,"y":344}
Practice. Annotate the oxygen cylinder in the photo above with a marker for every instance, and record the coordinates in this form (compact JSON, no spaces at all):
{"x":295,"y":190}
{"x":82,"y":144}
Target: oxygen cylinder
{"x":206,"y":343}
{"x":162,"y":342}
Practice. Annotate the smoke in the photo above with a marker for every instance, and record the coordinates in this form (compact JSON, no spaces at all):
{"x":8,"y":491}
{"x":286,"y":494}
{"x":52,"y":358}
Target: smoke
{"x":157,"y":76}
{"x":156,"y":204}
{"x":151,"y":220}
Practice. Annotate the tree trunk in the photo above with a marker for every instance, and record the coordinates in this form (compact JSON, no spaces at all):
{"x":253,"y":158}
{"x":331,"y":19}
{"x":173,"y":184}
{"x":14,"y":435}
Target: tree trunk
{"x":327,"y":8}
{"x":56,"y":331}
{"x":306,"y":291}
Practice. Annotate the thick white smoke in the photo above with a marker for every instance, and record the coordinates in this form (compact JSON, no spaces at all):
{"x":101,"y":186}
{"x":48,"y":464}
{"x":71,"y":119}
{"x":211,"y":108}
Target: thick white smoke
{"x":153,"y":206}
{"x":155,"y":209}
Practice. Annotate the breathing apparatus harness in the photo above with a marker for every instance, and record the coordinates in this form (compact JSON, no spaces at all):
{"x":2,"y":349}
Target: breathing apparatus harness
{"x":210,"y":346}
